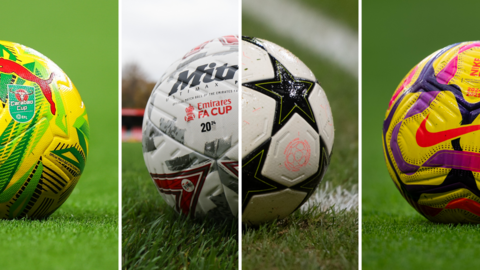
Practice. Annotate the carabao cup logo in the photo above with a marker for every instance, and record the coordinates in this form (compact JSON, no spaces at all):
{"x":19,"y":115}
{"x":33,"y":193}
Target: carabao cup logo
{"x":21,"y":101}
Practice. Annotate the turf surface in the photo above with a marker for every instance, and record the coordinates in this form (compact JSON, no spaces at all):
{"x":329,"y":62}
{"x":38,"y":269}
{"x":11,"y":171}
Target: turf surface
{"x":396,"y":36}
{"x":305,"y":240}
{"x":82,"y":38}
{"x":154,"y":236}
{"x":314,"y":239}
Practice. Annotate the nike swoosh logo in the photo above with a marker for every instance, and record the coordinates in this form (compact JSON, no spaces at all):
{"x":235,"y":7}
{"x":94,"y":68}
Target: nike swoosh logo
{"x":426,"y":138}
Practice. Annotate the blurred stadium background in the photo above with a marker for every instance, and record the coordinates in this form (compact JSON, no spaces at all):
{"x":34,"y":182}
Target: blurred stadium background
{"x":157,"y":33}
{"x":136,"y":89}
{"x":396,"y":36}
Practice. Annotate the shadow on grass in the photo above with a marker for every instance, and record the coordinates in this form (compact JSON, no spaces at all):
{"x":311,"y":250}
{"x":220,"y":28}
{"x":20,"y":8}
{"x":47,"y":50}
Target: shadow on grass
{"x":375,"y":223}
{"x":314,"y":217}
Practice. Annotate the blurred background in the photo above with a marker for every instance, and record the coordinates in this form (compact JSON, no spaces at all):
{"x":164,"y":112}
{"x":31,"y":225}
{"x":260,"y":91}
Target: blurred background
{"x":81,"y":37}
{"x":396,"y":36}
{"x":157,"y":33}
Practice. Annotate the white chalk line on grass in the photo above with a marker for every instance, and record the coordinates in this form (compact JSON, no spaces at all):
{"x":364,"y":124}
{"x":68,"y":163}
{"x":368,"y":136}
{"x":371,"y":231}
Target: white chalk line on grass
{"x":309,"y":29}
{"x":339,"y":198}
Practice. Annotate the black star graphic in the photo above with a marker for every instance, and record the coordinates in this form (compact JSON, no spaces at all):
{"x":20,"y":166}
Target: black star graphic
{"x":253,"y":180}
{"x":254,"y":183}
{"x":290,"y":93}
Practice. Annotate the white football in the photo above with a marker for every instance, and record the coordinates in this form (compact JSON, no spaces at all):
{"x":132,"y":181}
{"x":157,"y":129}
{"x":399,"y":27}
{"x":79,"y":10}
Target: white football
{"x":287,"y":132}
{"x":190,"y":131}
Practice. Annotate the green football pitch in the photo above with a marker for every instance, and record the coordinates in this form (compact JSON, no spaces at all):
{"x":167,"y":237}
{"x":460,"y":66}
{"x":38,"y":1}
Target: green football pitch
{"x":317,"y":238}
{"x":396,"y":36}
{"x":82,"y":38}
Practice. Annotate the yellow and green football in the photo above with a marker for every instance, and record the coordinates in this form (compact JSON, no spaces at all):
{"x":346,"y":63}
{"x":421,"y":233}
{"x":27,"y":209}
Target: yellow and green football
{"x":431,"y":135}
{"x":44,"y":134}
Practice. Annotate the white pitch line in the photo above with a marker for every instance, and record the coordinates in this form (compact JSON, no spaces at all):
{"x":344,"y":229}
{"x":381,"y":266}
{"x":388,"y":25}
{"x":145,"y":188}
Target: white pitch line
{"x":339,"y":198}
{"x":309,"y":29}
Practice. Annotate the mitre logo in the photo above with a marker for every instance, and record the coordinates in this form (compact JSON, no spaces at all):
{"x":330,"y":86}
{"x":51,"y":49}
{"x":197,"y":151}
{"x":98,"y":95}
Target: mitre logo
{"x":210,"y":74}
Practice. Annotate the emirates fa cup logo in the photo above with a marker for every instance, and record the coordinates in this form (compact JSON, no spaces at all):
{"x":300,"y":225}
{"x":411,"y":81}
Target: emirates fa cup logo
{"x":190,"y":115}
